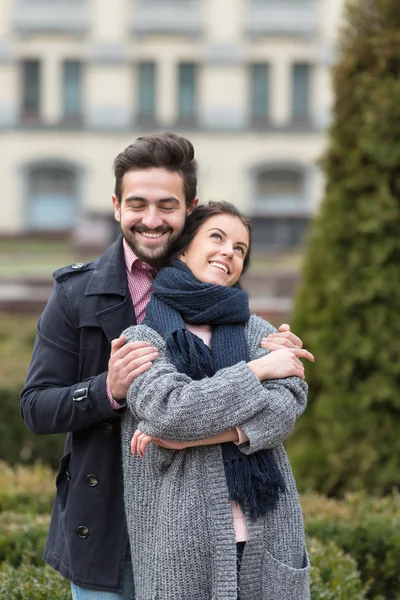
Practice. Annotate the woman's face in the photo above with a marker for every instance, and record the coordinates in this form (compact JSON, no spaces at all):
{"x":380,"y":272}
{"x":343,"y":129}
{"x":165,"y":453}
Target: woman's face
{"x":217,"y":252}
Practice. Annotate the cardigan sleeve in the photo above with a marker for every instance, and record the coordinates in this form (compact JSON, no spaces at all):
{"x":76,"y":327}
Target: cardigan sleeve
{"x":170,"y":405}
{"x":286,"y":399}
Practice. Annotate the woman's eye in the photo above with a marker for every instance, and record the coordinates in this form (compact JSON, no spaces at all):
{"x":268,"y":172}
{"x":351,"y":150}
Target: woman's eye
{"x":240,"y":249}
{"x":216,"y":235}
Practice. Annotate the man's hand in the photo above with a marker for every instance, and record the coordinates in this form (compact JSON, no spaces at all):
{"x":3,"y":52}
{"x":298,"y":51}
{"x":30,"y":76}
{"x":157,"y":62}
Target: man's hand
{"x":141,"y":440}
{"x":127,"y":361}
{"x":281,"y":363}
{"x":282,"y":339}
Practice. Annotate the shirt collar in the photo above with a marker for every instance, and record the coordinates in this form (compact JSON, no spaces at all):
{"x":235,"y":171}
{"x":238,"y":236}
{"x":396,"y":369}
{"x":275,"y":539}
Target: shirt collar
{"x":132,"y":261}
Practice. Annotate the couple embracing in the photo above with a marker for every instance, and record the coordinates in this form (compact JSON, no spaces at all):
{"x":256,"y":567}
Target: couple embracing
{"x":204,"y":395}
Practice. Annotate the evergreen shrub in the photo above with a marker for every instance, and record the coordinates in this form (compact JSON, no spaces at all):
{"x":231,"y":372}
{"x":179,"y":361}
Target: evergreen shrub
{"x":366,"y":528}
{"x":347,"y":307}
{"x":334,"y":574}
{"x":17,"y":443}
{"x":22,"y":538}
{"x":29,"y":582}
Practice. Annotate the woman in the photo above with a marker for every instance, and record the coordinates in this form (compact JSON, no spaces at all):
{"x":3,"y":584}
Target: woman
{"x":193,"y":498}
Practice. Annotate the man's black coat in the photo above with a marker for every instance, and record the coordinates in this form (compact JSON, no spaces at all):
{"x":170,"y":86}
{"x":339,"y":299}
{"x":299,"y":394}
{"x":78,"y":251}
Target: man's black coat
{"x":65,"y":391}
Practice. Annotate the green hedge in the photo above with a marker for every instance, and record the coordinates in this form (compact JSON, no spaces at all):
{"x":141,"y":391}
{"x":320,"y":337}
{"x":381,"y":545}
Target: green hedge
{"x":334,"y":574}
{"x":354,"y":544}
{"x":17,"y":443}
{"x":26,"y":489}
{"x":22,"y":538}
{"x":30,"y":582}
{"x":366,"y":528}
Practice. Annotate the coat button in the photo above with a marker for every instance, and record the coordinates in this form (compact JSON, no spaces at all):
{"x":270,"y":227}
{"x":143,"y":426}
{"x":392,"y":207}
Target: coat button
{"x":67,"y":476}
{"x":83,"y":532}
{"x":92,"y":480}
{"x":106,"y":428}
{"x":77,"y":266}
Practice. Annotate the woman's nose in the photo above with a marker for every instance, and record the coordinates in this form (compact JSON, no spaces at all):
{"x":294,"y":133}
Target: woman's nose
{"x":227,"y":250}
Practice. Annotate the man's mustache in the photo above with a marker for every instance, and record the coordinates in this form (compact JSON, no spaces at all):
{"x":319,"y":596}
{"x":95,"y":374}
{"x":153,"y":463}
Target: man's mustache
{"x":143,"y":229}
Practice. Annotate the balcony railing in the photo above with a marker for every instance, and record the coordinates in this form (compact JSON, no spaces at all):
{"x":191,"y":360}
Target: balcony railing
{"x":166,"y":16}
{"x":36,"y":16}
{"x":281,"y":17}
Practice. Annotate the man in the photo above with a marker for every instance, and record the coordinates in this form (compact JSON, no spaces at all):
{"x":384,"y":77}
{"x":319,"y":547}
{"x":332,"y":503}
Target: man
{"x":81,"y":367}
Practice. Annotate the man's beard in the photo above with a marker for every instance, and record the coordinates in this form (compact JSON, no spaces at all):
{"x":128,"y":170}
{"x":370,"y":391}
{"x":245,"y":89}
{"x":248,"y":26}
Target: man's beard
{"x":154,"y":256}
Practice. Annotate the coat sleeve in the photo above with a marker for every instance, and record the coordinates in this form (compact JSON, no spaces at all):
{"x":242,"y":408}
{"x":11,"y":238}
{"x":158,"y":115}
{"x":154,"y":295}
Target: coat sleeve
{"x":286,"y":399}
{"x":170,"y":405}
{"x":47,"y":400}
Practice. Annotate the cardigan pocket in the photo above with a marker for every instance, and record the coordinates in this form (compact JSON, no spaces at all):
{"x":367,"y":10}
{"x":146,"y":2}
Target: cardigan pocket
{"x":281,"y":582}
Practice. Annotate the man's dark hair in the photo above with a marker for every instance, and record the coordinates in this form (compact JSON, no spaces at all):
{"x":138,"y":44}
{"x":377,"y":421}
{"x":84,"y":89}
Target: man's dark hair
{"x":165,"y":150}
{"x":200,"y":215}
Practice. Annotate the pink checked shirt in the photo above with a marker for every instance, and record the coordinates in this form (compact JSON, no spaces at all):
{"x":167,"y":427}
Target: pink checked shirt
{"x":140,"y":278}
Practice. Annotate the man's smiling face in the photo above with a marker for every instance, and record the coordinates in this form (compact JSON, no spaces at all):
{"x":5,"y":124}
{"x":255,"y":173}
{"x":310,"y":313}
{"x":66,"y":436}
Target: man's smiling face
{"x":152,"y":212}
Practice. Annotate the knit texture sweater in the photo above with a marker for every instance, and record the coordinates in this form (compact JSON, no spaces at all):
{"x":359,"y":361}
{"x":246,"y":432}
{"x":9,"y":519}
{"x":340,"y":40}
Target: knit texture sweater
{"x":177,"y":507}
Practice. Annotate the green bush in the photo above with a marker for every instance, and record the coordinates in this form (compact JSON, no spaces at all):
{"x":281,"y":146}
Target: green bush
{"x":22,"y":538}
{"x":26,"y":489}
{"x":334,"y":574}
{"x":30,"y":582}
{"x":17,"y":443}
{"x":347,"y":307}
{"x":366,"y":528}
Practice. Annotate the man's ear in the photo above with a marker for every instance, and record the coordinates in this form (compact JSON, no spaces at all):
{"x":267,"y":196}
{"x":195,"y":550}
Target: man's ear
{"x":117,"y":208}
{"x":192,"y":206}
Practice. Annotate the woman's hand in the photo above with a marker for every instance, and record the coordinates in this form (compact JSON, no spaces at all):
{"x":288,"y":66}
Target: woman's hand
{"x":281,"y":363}
{"x":141,"y":440}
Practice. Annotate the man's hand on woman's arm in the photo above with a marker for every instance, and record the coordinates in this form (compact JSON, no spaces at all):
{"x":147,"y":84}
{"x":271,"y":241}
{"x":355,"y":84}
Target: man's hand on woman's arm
{"x":141,"y":440}
{"x":281,"y":363}
{"x":283,"y":338}
{"x":127,"y":361}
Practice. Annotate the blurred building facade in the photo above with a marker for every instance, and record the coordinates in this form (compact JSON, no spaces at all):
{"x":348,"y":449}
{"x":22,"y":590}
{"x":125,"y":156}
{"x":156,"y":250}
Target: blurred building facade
{"x":247,"y":81}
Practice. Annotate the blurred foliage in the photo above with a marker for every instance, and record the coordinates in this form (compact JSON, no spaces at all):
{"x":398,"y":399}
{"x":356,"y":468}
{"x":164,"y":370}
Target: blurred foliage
{"x":347,"y":308}
{"x":334,"y":574}
{"x":29,"y":582}
{"x":26,"y":489}
{"x":368,"y":529}
{"x":353,"y":543}
{"x":17,"y":443}
{"x":22,"y":537}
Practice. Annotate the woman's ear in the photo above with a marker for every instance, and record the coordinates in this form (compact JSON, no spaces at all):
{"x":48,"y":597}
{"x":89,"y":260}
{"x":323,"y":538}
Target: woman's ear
{"x":182,"y":257}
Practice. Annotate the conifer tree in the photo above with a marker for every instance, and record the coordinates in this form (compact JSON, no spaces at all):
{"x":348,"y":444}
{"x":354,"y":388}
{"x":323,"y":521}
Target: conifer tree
{"x":348,"y":306}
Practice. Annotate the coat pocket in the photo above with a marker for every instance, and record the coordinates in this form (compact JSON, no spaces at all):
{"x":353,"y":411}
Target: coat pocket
{"x":281,"y":582}
{"x":63,"y":480}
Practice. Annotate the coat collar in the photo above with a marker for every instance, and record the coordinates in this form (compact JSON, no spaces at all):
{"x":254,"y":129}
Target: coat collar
{"x":109,"y":274}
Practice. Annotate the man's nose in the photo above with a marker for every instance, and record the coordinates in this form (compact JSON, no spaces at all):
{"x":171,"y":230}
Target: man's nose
{"x":152,"y":219}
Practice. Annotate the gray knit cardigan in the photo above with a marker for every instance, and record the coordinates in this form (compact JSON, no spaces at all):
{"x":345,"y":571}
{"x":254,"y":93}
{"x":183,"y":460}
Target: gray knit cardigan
{"x":178,"y":513}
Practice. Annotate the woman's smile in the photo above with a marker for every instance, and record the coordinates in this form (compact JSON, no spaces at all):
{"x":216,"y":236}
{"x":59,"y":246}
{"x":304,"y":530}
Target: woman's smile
{"x":217,"y":252}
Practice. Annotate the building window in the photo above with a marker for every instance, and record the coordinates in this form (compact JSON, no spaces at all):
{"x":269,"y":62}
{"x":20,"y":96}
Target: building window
{"x":280,"y":208}
{"x":30,"y":89}
{"x":147,"y":91}
{"x":279,"y":231}
{"x":259,"y":75}
{"x":187,"y":92}
{"x":279,"y":190}
{"x":52,"y":198}
{"x":300,"y":91}
{"x":72,"y":89}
